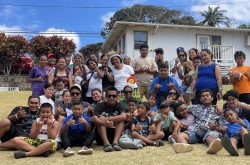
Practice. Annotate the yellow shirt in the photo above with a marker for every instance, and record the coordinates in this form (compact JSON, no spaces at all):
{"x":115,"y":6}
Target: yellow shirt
{"x":243,"y":84}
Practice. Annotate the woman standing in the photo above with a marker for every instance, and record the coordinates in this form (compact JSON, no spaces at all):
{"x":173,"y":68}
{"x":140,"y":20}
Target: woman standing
{"x":208,"y":76}
{"x":121,"y":73}
{"x":192,"y":53}
{"x":38,"y":76}
{"x":107,"y":74}
{"x":60,"y":72}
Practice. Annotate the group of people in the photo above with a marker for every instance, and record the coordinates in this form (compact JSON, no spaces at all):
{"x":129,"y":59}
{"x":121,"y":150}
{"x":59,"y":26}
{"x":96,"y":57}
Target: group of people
{"x":114,"y":99}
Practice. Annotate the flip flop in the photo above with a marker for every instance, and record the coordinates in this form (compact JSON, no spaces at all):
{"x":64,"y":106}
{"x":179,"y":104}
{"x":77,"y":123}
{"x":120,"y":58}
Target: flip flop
{"x":246,"y":142}
{"x":226,"y":143}
{"x":108,"y":148}
{"x":116,"y":147}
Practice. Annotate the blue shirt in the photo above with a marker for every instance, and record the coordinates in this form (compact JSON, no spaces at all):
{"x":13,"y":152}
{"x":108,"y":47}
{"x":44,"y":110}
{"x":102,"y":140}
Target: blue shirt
{"x":234,"y":128}
{"x":79,"y":128}
{"x":206,"y":77}
{"x":162,"y":93}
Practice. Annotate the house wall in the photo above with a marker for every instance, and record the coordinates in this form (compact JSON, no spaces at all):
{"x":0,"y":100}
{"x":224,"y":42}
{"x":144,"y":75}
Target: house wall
{"x":169,"y":39}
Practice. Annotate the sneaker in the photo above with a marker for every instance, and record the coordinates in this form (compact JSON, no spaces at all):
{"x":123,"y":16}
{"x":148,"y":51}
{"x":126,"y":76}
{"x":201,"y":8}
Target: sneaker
{"x":161,"y":143}
{"x":85,"y":151}
{"x":182,"y":147}
{"x":156,"y":143}
{"x":226,"y":143}
{"x":215,"y":147}
{"x":68,"y":152}
{"x":171,"y":139}
{"x":19,"y":154}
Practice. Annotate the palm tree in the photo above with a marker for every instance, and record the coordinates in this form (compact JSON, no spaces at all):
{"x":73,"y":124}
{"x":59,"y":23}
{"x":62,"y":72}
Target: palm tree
{"x":214,"y":17}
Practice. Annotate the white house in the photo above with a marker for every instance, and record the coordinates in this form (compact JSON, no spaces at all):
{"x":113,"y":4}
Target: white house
{"x":223,"y":42}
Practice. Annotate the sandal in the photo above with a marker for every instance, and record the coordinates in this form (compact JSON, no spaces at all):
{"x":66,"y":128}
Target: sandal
{"x":116,"y":147}
{"x":108,"y":148}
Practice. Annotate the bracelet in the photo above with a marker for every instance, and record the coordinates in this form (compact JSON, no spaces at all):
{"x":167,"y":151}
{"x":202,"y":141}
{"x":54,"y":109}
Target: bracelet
{"x":16,"y":116}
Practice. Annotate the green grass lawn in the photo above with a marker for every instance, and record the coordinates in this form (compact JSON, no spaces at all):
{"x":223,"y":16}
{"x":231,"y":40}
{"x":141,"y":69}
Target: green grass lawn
{"x":146,"y":156}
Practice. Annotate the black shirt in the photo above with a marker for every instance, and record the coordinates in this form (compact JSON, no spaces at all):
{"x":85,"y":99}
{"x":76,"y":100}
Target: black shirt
{"x":105,"y":110}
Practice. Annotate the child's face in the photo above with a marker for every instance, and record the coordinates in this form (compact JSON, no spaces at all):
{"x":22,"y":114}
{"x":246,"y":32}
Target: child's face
{"x":165,"y":110}
{"x":60,"y":86}
{"x":77,"y":110}
{"x":231,"y":101}
{"x":196,"y":63}
{"x":182,"y":111}
{"x":151,"y":100}
{"x":49,"y":92}
{"x":96,"y":95}
{"x":66,"y":98}
{"x":77,"y":69}
{"x":131,"y":106}
{"x":141,"y":109}
{"x":231,"y":116}
{"x":45,"y":113}
{"x":239,"y":60}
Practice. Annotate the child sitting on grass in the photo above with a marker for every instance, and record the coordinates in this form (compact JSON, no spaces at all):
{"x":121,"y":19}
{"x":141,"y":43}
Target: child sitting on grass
{"x":132,"y":112}
{"x":41,"y":139}
{"x":143,"y":127}
{"x":153,"y":106}
{"x":76,"y":131}
{"x":236,"y":131}
{"x":166,"y":121}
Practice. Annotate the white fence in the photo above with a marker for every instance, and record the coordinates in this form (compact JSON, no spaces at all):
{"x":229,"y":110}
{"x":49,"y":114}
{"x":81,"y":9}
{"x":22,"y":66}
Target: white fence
{"x":9,"y":88}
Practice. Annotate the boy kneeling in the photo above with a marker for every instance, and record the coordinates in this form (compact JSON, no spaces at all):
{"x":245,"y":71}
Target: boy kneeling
{"x":76,"y":131}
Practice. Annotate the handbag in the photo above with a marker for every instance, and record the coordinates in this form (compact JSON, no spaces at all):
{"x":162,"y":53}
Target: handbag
{"x":85,"y":86}
{"x":127,"y":142}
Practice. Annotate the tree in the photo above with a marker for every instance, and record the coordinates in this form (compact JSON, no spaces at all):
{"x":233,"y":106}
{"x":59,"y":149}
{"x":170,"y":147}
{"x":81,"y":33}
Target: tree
{"x":91,"y":49}
{"x":58,"y":45}
{"x":214,"y":17}
{"x":147,"y":14}
{"x":11,"y":49}
{"x":244,"y":26}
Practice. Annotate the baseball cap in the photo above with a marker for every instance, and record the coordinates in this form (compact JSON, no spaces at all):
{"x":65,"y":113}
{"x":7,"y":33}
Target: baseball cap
{"x":76,"y":86}
{"x":180,"y":49}
{"x":159,"y":50}
{"x":51,"y":55}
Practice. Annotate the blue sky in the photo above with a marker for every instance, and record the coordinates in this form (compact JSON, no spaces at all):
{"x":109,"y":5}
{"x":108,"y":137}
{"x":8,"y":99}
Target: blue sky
{"x":84,"y":24}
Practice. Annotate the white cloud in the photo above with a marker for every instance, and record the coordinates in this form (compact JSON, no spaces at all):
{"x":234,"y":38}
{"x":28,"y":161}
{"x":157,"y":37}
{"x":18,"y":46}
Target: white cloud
{"x":237,"y":10}
{"x":15,"y":29}
{"x":106,"y":18}
{"x":70,"y":35}
{"x":129,"y":3}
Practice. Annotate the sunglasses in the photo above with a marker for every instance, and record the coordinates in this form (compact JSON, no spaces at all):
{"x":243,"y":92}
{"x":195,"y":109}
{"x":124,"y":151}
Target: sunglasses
{"x":171,"y":93}
{"x":109,"y":96}
{"x":181,"y":55}
{"x":127,"y":91}
{"x":75,"y":94}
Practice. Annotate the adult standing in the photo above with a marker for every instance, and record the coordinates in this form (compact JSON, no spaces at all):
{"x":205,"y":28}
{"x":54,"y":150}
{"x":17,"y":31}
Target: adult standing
{"x":240,"y":78}
{"x":60,"y":72}
{"x":121,"y":73}
{"x":107,"y":74}
{"x":208,"y":76}
{"x":38,"y":76}
{"x":145,"y":68}
{"x":161,"y":85}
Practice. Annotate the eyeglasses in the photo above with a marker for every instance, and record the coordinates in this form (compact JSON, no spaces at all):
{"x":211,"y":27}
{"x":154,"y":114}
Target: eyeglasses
{"x":181,"y":55}
{"x":171,"y":93}
{"x":109,"y":96}
{"x":127,"y":91}
{"x":75,"y":94}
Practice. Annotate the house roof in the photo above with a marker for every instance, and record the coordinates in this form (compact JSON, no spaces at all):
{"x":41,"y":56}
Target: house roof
{"x":120,"y":26}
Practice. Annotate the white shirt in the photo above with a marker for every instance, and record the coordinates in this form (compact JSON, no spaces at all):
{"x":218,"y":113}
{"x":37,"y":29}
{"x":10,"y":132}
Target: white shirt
{"x":121,"y":76}
{"x":44,"y":99}
{"x":95,"y":82}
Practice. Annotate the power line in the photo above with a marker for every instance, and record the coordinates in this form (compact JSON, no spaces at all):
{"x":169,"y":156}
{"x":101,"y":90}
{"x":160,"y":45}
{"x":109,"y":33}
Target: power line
{"x":112,"y":7}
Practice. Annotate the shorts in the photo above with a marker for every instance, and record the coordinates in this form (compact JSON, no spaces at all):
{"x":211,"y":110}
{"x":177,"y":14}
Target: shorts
{"x":185,"y":89}
{"x":13,"y":132}
{"x":194,"y":138}
{"x":37,"y":142}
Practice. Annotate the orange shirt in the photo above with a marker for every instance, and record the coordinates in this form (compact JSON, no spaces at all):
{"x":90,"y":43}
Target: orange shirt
{"x":242,"y":85}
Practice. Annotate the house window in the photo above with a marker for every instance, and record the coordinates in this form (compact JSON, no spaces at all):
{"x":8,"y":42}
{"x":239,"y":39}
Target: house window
{"x":140,"y":38}
{"x":216,"y":40}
